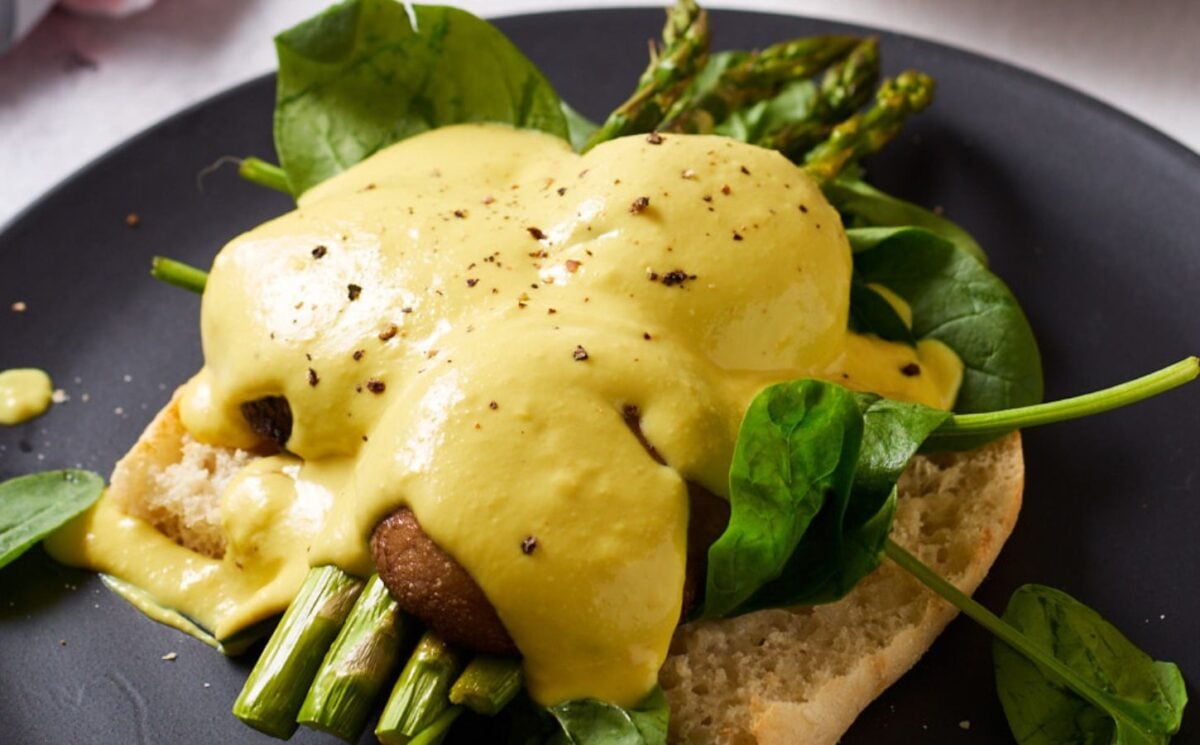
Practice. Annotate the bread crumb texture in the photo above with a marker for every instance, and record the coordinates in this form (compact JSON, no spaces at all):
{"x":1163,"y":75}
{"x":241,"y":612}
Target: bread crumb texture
{"x":175,"y":483}
{"x":804,"y":674}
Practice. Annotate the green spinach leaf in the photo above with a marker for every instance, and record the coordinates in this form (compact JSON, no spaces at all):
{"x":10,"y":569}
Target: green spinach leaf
{"x":367,"y":73}
{"x":796,"y":452}
{"x":794,"y":104}
{"x":844,"y":543}
{"x":32,"y":507}
{"x":871,"y":313}
{"x":955,"y":299}
{"x":1131,"y":699}
{"x":592,"y":722}
{"x":579,"y":128}
{"x":865,"y":206}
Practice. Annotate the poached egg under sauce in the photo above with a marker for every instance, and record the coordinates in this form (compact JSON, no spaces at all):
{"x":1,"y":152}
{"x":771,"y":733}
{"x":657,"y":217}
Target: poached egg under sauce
{"x":461,"y":324}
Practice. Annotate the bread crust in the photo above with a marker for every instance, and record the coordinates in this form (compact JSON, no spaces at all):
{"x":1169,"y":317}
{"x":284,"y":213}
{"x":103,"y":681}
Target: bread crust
{"x":805,"y":674}
{"x":774,"y":677}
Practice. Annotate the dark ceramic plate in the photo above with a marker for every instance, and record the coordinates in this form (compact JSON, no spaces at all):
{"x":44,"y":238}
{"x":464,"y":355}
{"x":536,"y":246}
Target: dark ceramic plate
{"x":1091,"y":216}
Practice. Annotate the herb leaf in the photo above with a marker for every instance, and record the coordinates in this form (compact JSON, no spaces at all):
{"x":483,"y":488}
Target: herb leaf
{"x":579,"y":128}
{"x":592,"y":722}
{"x":871,"y":313}
{"x":32,"y":507}
{"x":1132,"y":698}
{"x":812,"y":494}
{"x":955,"y":299}
{"x":795,"y":451}
{"x":865,"y":206}
{"x":844,"y":543}
{"x":368,"y":73}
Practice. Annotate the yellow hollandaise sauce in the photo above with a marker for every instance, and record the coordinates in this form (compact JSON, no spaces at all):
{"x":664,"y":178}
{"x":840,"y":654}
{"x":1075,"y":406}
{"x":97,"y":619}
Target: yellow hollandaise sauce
{"x":25,"y":393}
{"x":463,"y":324}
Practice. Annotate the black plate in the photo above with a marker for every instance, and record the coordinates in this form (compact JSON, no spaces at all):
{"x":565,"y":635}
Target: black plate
{"x":1090,"y":215}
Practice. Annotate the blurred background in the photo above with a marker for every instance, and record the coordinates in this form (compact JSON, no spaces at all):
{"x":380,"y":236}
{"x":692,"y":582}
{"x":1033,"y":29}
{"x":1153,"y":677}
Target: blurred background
{"x":92,"y":73}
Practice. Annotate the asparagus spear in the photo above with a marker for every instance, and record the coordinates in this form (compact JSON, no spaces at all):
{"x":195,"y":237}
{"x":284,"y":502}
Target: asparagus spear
{"x":866,"y":133}
{"x":420,"y":695}
{"x":754,"y":76}
{"x":844,"y":89}
{"x":683,"y":53}
{"x":488,"y":684}
{"x":436,"y":731}
{"x":275,"y":689}
{"x":357,"y":665}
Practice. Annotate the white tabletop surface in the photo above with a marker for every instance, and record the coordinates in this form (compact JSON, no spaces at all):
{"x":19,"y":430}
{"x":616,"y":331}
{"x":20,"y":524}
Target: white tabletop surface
{"x":79,"y":85}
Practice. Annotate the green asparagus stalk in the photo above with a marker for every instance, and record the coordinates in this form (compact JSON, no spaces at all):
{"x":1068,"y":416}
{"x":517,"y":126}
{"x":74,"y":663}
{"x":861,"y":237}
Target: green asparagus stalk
{"x":754,"y":76}
{"x":436,"y":732}
{"x":178,"y":274}
{"x":488,"y":684}
{"x":866,"y":133}
{"x":683,"y":53}
{"x":844,"y":89}
{"x":420,"y":695}
{"x":358,"y":664}
{"x":275,"y":689}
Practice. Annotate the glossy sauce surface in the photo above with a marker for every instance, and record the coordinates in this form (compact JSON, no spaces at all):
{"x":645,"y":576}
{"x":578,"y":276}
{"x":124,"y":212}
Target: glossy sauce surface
{"x":463,"y":323}
{"x":24,"y":394}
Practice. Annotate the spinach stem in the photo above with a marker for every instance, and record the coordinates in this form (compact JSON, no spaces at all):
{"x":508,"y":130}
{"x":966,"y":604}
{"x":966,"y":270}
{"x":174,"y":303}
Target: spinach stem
{"x":998,"y":422}
{"x":179,"y":274}
{"x":998,"y":626}
{"x":259,"y":171}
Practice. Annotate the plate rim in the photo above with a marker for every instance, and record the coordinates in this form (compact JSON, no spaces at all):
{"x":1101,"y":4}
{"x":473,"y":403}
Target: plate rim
{"x":1173,"y":147}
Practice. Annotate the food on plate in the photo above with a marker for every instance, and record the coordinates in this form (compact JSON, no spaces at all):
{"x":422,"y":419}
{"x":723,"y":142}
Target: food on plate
{"x":548,"y":389}
{"x":426,"y":343}
{"x":25,"y":393}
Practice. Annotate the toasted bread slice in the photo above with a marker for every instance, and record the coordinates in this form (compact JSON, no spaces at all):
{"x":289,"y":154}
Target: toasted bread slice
{"x":776,"y":676}
{"x":174,"y":482}
{"x":805,"y":674}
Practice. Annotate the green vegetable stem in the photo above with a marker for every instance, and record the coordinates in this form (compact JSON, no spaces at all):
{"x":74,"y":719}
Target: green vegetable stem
{"x":438,"y":728}
{"x":682,"y":54}
{"x":867,"y":133}
{"x":178,"y":274}
{"x":358,"y":664}
{"x":734,"y":80}
{"x":488,"y":684}
{"x":420,"y":695}
{"x":995,"y":423}
{"x":276,"y":688}
{"x":259,"y":171}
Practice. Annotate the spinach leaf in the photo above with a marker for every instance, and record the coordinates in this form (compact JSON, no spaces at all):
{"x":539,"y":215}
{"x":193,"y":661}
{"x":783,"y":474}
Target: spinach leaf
{"x":367,"y":73}
{"x":844,"y":543}
{"x":865,"y":206}
{"x":32,"y":507}
{"x":796,"y":451}
{"x":579,"y":128}
{"x":592,"y":722}
{"x":795,"y":103}
{"x":871,"y":313}
{"x":1130,"y":698}
{"x":955,"y":299}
